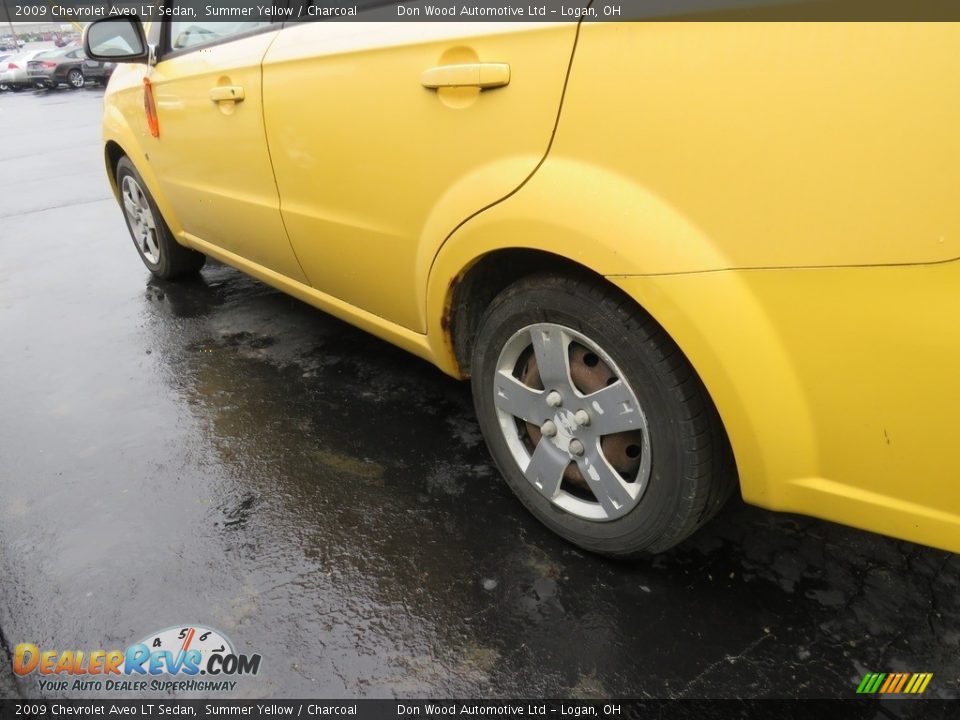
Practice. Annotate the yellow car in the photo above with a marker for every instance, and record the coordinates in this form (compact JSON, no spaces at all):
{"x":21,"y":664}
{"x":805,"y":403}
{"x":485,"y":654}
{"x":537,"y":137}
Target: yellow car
{"x":673,"y":258}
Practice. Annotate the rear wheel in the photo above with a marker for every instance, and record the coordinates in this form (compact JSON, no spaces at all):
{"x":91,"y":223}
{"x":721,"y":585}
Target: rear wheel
{"x":163,"y":256}
{"x":75,"y":79}
{"x":596,"y":419}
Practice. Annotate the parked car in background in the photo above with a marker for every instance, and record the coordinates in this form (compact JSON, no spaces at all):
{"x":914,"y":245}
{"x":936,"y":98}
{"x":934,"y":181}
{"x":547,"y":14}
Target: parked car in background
{"x":729,"y":258}
{"x":67,"y":66}
{"x":13,"y":72}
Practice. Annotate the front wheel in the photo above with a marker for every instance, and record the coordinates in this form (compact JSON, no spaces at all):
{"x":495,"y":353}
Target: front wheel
{"x":75,"y":79}
{"x":596,"y":419}
{"x":162,"y":255}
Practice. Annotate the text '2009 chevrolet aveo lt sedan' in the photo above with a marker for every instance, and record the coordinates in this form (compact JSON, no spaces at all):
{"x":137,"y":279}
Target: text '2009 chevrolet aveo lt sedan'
{"x":673,"y":259}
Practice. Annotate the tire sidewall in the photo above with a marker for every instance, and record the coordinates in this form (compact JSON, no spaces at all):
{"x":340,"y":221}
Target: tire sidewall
{"x":661,"y":501}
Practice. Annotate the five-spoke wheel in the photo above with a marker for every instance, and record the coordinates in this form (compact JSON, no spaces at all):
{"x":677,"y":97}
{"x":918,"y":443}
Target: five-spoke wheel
{"x":142,"y":224}
{"x":160,"y":252}
{"x":595,"y":418}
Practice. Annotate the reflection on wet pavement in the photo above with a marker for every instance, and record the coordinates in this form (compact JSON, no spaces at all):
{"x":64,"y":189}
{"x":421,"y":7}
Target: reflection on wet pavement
{"x":218,"y":453}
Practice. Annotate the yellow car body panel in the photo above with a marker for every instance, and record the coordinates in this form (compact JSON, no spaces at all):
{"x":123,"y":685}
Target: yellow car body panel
{"x":838,"y":386}
{"x":125,"y":126}
{"x":782,"y":198}
{"x":784,"y":144}
{"x":388,"y":167}
{"x":210,"y":159}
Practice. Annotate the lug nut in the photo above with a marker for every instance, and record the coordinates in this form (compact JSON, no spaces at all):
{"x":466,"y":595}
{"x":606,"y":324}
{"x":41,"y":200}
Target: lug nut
{"x":576,"y":447}
{"x":554,"y":399}
{"x":549,"y":428}
{"x":582,"y":417}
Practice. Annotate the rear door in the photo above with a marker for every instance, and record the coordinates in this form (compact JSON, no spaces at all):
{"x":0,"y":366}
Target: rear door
{"x":371,"y":150}
{"x":211,"y":155}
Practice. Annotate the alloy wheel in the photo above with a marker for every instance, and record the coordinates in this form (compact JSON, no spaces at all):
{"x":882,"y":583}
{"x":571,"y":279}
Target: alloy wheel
{"x":143,"y":225}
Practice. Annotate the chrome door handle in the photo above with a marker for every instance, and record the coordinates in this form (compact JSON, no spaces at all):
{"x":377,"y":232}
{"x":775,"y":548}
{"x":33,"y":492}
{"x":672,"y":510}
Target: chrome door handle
{"x":479,"y":75}
{"x":227,"y":93}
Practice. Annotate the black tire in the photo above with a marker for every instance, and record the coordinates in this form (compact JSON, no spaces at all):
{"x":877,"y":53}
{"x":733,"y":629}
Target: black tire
{"x":173,"y":259}
{"x":691,"y":471}
{"x":75,"y":79}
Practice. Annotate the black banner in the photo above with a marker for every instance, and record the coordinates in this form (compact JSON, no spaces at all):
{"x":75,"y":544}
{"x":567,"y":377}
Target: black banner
{"x":471,"y":709}
{"x":36,"y":11}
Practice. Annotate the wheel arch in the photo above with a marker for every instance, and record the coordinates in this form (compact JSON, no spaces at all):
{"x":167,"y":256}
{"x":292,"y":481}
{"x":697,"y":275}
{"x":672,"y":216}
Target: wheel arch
{"x":112,"y":152}
{"x":486,"y":277}
{"x":122,"y":140}
{"x":629,"y":238}
{"x":583,"y":216}
{"x":761,"y":402}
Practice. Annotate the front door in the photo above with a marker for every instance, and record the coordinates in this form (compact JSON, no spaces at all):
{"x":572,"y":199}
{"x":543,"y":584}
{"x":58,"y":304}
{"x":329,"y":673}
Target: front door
{"x":211,"y":155}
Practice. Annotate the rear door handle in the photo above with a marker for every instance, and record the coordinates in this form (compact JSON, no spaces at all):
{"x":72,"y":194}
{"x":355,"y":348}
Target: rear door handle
{"x":480,"y":75}
{"x":226,"y":93}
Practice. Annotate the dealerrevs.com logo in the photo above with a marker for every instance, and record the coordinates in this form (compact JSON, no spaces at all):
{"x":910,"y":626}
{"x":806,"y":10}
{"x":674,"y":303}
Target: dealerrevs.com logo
{"x":173,"y":659}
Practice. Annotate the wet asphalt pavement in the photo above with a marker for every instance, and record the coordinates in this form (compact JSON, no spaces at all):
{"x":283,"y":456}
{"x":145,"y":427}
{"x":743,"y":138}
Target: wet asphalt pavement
{"x":215,"y":452}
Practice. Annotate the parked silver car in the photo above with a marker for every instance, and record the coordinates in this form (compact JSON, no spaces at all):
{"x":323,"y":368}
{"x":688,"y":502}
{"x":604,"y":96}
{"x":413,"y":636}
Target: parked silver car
{"x":13,"y":70}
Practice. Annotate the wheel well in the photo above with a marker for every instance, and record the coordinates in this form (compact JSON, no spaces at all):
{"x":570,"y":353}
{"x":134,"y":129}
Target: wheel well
{"x":113,"y":152}
{"x":480,"y":283}
{"x":477,"y":286}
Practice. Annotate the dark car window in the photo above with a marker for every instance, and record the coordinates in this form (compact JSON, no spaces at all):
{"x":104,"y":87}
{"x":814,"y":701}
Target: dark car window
{"x":192,"y":34}
{"x":178,"y":37}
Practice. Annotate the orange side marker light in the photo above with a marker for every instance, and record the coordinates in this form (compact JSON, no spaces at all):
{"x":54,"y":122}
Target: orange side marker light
{"x":150,"y":106}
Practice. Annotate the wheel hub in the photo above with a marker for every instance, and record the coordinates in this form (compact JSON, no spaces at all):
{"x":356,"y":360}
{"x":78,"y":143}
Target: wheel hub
{"x":584,"y":423}
{"x":566,"y":428}
{"x":588,"y":378}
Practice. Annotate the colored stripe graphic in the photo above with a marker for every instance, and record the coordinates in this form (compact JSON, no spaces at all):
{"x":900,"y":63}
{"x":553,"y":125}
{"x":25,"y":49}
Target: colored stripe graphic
{"x":870,"y":683}
{"x":875,"y":685}
{"x":891,"y":680}
{"x":894,"y":683}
